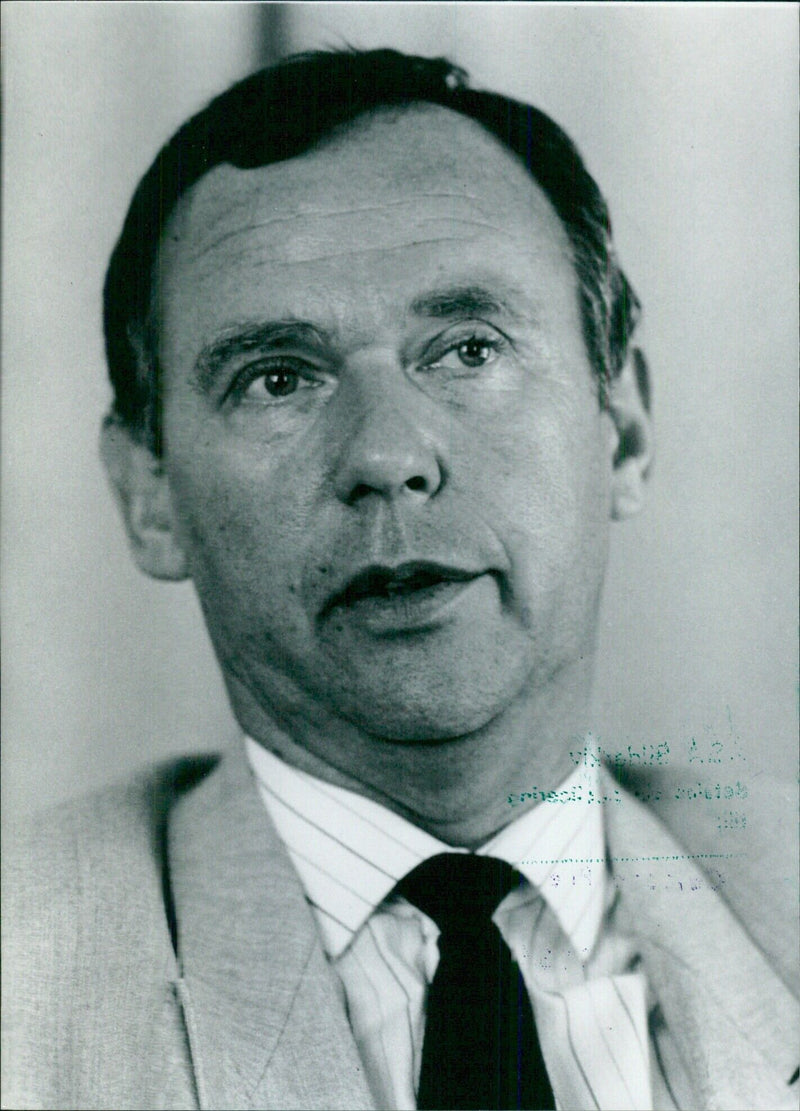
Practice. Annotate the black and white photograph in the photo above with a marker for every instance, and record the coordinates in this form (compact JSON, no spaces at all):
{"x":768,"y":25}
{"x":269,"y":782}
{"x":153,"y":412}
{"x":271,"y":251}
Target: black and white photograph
{"x":400,"y":556}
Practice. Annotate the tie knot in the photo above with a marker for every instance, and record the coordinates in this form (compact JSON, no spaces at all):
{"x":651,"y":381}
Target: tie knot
{"x":459,"y":890}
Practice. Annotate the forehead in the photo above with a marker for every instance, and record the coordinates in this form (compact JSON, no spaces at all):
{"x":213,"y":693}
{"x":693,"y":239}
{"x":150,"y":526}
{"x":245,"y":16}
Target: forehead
{"x":399,"y":195}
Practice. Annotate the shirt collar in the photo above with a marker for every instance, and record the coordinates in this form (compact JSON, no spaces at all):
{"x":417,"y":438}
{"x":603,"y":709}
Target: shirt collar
{"x":350,"y":851}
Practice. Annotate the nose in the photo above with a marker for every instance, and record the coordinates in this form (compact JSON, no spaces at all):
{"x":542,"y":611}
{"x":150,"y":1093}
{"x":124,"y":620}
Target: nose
{"x":387,"y":450}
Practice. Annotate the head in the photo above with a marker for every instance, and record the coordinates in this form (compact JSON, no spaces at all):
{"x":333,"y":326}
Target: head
{"x":287,"y":110}
{"x":375,"y":393}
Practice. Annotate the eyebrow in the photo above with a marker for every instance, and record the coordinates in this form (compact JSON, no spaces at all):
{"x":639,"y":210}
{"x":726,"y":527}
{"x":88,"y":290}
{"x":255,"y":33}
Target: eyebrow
{"x":461,"y":301}
{"x":452,"y":302}
{"x":244,"y":340}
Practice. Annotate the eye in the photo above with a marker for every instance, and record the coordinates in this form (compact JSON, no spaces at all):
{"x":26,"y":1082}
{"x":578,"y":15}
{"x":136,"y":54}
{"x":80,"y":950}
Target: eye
{"x":279,"y":382}
{"x":470,"y":352}
{"x":268,"y":381}
{"x":475,"y":352}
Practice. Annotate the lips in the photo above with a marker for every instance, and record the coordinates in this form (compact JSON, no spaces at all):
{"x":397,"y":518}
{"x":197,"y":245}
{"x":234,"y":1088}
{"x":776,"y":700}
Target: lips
{"x":396,"y":585}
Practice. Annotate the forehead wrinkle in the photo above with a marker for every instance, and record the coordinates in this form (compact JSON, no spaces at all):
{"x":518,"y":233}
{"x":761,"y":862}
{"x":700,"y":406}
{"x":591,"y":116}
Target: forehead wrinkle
{"x":472,"y":230}
{"x":308,"y":213}
{"x":206,"y":249}
{"x":419,"y":194}
{"x":355,"y":253}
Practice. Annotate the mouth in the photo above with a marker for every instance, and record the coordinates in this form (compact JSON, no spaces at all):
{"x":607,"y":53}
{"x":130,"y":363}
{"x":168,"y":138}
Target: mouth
{"x":412,"y":595}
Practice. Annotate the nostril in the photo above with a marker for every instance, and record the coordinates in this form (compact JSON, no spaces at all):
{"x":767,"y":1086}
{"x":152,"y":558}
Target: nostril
{"x":417,"y":482}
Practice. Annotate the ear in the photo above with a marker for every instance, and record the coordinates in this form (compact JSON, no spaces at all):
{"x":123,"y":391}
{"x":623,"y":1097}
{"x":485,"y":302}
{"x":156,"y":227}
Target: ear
{"x":141,"y":489}
{"x":629,"y":408}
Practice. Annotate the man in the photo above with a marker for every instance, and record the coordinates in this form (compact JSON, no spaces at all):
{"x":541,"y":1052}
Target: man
{"x":375,"y":394}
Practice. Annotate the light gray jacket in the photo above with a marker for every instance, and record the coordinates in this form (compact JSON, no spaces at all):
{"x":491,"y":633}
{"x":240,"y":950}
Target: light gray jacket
{"x":99,"y":1011}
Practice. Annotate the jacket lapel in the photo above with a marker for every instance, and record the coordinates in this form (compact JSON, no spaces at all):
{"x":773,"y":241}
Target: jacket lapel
{"x":734,"y":1022}
{"x":263,"y":1011}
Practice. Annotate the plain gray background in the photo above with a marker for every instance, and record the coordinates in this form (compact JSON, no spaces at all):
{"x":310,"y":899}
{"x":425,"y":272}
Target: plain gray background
{"x":686,"y":115}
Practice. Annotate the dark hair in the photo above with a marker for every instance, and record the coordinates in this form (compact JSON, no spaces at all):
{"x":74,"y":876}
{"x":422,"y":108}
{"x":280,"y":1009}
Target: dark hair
{"x":282,"y":112}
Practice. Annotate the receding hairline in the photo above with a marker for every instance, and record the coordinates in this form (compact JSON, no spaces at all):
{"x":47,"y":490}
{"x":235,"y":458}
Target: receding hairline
{"x":505,"y":163}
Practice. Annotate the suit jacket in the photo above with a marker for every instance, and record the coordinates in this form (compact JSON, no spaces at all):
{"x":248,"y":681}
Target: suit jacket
{"x":159,"y":952}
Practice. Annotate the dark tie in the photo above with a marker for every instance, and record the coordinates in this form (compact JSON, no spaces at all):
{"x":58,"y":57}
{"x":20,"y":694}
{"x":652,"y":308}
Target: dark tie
{"x":481,"y":1049}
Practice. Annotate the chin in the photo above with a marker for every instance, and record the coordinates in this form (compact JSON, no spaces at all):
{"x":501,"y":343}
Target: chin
{"x":422,"y":724}
{"x":430,"y":707}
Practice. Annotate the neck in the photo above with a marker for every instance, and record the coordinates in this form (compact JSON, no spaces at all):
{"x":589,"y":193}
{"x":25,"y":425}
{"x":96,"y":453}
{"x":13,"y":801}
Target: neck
{"x":456,"y":789}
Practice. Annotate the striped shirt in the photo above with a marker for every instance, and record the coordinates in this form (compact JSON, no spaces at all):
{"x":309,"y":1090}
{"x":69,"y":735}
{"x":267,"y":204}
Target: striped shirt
{"x":589,"y":1003}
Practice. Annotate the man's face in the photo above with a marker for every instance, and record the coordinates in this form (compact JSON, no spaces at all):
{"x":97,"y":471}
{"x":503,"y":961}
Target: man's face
{"x":383,"y":443}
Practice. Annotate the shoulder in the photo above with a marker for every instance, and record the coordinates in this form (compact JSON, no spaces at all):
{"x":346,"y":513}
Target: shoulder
{"x":743,"y":833}
{"x":84,"y":917}
{"x":109,"y":836}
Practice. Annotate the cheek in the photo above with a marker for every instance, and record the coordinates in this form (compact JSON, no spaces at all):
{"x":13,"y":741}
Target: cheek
{"x":243,"y":531}
{"x":546,"y":493}
{"x":545,"y":461}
